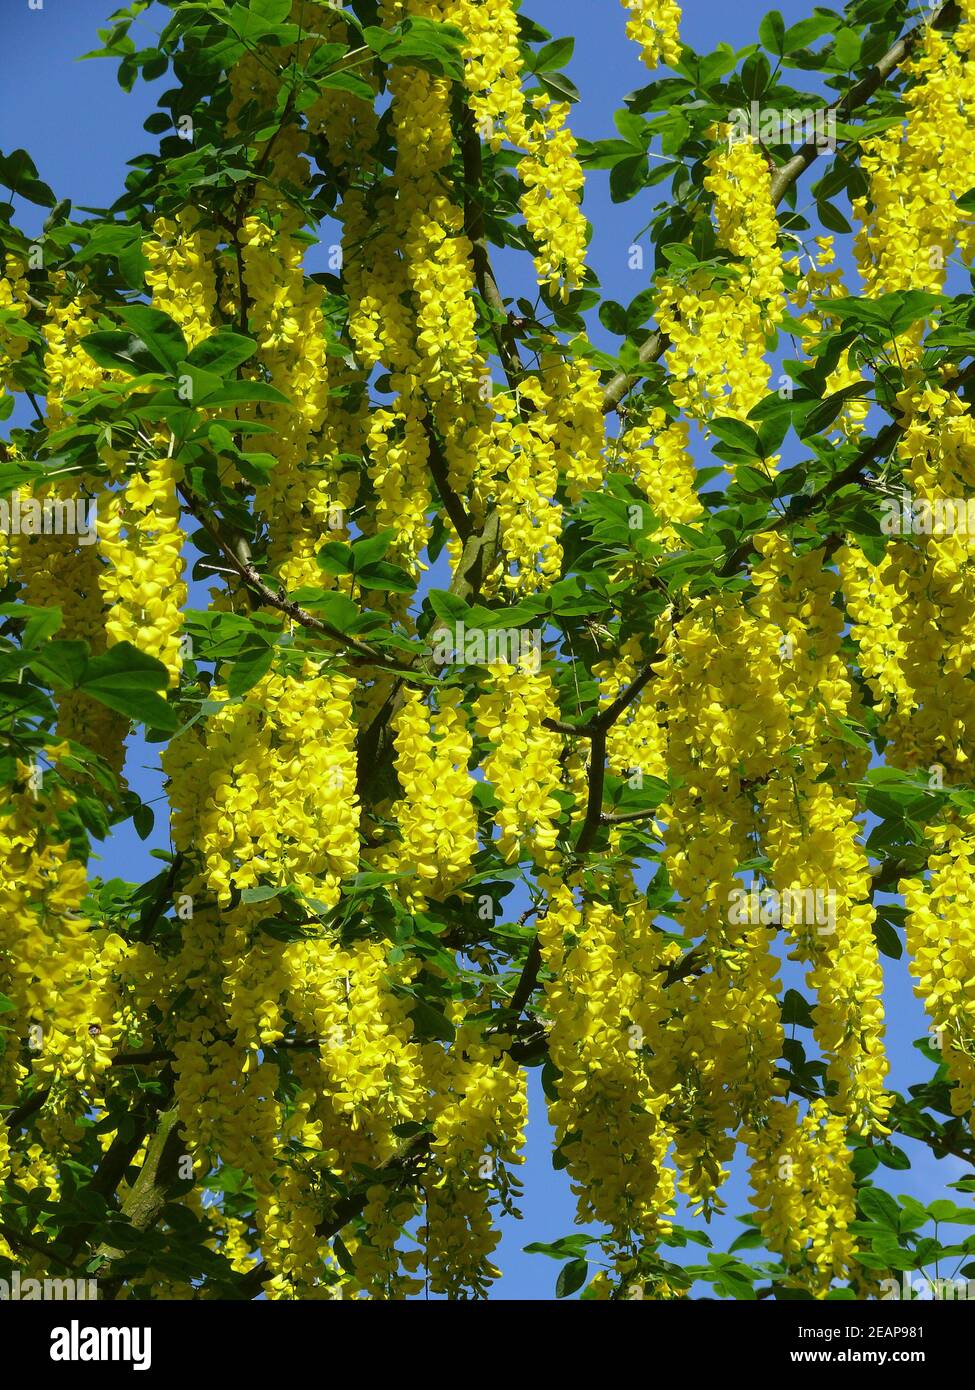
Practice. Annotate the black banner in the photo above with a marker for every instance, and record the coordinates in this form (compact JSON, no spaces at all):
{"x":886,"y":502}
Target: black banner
{"x":67,"y":1340}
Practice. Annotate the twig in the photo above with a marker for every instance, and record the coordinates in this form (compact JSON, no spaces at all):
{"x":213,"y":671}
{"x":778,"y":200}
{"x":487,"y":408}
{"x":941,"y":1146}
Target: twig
{"x":294,"y":611}
{"x":882,"y":445}
{"x":470,"y":147}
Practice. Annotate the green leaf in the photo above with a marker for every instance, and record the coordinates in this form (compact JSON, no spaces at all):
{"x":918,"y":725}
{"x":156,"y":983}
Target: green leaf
{"x":143,"y":819}
{"x":114,"y":349}
{"x":163,"y":339}
{"x":121,"y":242}
{"x":554,"y":55}
{"x":892,"y":313}
{"x":640,"y":308}
{"x":819,"y":419}
{"x":806,"y":32}
{"x":892,"y":1157}
{"x":566,"y":1247}
{"x":888,"y":942}
{"x":248,"y":669}
{"x":39,"y":623}
{"x":796,"y":1010}
{"x":755,"y":75}
{"x":197,"y":387}
{"x":634,"y":130}
{"x":60,"y":662}
{"x":771,"y":31}
{"x":879,"y":1206}
{"x":737,"y":434}
{"x":335,"y":557}
{"x":222,"y":353}
{"x":383,"y":575}
{"x":420,"y":42}
{"x":943,"y":1210}
{"x":367,"y":549}
{"x":831,"y":217}
{"x":627,"y":177}
{"x":261,"y":893}
{"x":272,"y":11}
{"x":748,"y":1240}
{"x":126,"y":680}
{"x":450,"y":608}
{"x":19,"y":173}
{"x":571,"y":1278}
{"x":245,"y":392}
{"x":254,"y":27}
{"x":348,"y":82}
{"x":863,"y":1163}
{"x":429,"y":1024}
{"x":559,"y":86}
{"x":332,"y":607}
{"x":613,"y":317}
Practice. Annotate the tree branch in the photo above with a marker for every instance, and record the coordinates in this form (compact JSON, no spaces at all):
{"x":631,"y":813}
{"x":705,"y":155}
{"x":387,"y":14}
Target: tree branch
{"x":453,"y":506}
{"x":946,"y":18}
{"x":597,"y":781}
{"x":529,"y":977}
{"x":143,"y":1206}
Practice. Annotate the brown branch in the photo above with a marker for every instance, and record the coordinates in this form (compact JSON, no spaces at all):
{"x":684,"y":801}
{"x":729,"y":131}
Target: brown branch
{"x":651,"y":351}
{"x":487,"y":285}
{"x":594,"y":804}
{"x":946,"y":18}
{"x":597,"y":730}
{"x":559,"y":726}
{"x":605,"y":720}
{"x":453,"y":506}
{"x":628,"y":816}
{"x":529,"y":977}
{"x":143,"y":1206}
{"x":611,"y":713}
{"x":22,"y":1113}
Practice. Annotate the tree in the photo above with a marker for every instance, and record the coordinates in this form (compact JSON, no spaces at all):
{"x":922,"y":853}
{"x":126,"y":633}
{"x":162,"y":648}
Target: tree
{"x":479,"y":628}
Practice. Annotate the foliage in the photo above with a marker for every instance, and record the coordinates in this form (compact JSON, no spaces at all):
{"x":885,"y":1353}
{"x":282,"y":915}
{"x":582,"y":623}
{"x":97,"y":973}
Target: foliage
{"x":497,"y":733}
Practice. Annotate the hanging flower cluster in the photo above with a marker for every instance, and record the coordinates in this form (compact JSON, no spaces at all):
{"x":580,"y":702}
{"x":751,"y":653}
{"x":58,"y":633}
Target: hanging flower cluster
{"x":655,"y":26}
{"x":718,"y":330}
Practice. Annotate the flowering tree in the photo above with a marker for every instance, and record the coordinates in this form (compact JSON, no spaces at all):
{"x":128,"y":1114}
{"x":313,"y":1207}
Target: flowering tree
{"x":497,"y":733}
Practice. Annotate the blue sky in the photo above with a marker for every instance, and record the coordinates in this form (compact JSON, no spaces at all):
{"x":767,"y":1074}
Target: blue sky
{"x":81,"y":128}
